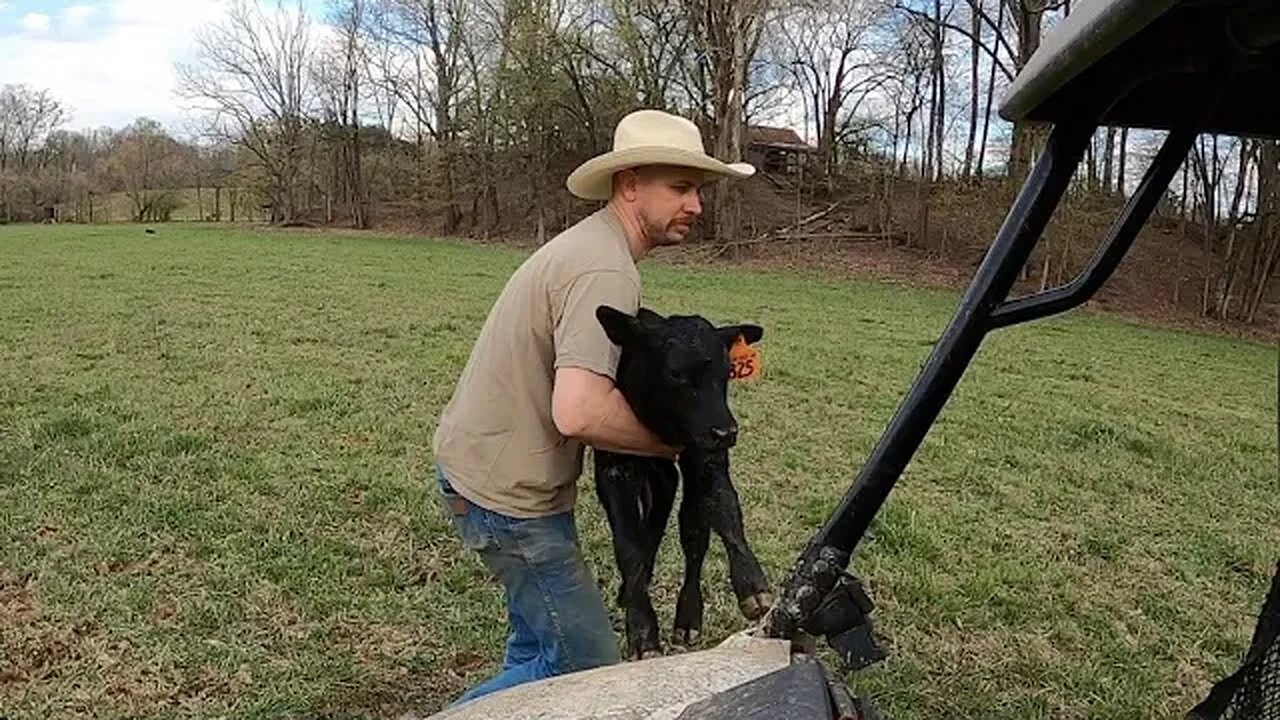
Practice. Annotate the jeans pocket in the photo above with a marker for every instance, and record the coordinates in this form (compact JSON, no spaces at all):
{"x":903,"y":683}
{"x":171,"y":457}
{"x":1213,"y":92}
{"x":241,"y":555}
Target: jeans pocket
{"x":454,"y":504}
{"x":469,"y":520}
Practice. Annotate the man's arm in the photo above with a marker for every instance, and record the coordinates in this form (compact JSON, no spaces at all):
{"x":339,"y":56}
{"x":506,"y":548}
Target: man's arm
{"x":586,"y":406}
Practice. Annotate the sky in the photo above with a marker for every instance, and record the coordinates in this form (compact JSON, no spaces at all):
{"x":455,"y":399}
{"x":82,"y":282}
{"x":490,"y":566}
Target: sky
{"x":107,"y":61}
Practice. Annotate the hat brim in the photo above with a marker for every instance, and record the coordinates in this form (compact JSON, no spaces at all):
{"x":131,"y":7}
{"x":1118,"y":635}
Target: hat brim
{"x":593,"y":179}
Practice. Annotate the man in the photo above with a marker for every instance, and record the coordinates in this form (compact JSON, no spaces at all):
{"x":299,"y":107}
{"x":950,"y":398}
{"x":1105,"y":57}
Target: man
{"x":539,"y":386}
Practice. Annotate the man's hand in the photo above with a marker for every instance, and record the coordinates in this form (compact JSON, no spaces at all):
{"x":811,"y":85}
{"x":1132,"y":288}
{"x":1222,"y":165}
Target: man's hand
{"x":587,"y":407}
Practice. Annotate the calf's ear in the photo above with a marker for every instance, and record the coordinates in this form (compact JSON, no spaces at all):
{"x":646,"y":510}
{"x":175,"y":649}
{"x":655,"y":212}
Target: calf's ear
{"x":622,"y":329}
{"x":750,"y":333}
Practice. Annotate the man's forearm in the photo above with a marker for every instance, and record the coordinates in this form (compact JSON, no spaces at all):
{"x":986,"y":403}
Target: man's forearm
{"x":616,"y":428}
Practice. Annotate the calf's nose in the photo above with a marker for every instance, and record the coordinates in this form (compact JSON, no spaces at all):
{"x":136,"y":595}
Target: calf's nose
{"x":726,"y":435}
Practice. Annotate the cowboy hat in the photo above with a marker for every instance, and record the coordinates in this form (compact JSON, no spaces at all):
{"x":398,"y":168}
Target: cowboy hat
{"x":649,"y":137}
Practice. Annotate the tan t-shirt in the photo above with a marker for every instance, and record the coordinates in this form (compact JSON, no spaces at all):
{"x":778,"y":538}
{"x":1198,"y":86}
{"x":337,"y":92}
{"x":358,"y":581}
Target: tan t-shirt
{"x":496,"y":440}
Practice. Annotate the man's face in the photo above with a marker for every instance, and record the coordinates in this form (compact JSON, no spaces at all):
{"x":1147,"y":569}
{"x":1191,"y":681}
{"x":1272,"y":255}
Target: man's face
{"x":668,"y":200}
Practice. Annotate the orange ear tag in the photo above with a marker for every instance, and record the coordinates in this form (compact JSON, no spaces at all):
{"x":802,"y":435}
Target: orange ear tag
{"x":744,"y":361}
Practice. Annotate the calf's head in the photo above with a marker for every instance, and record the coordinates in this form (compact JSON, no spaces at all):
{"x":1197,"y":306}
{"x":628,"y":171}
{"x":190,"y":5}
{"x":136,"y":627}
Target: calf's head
{"x":674,"y":372}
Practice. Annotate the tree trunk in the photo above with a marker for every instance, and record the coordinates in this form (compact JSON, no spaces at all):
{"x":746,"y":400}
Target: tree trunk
{"x":1182,"y":235}
{"x":1267,"y":248}
{"x":911,"y":125}
{"x":4,"y":181}
{"x":1108,"y":160}
{"x":1091,"y":165}
{"x":1267,"y":269}
{"x":1226,"y":276}
{"x":1122,"y":188}
{"x":976,"y":28}
{"x":359,"y":194}
{"x":991,"y":92}
{"x":930,"y":137}
{"x":725,"y":28}
{"x":1209,"y":178}
{"x":1028,"y":18}
{"x":939,"y":72}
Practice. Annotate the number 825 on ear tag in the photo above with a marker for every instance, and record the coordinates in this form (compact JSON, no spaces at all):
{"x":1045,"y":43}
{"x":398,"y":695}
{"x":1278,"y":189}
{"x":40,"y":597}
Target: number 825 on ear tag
{"x":744,"y":361}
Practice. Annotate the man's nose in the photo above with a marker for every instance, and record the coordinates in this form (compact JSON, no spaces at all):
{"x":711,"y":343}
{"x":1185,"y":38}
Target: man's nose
{"x":694,"y":206}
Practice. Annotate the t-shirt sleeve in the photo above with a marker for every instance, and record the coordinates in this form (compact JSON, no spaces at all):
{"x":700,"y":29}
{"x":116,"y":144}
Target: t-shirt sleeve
{"x":580,"y":341}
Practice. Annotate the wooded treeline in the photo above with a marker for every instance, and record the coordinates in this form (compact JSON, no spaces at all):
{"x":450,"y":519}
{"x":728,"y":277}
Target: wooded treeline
{"x":465,"y":116}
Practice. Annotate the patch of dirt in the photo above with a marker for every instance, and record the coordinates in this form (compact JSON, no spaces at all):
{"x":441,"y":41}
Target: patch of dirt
{"x":83,"y":669}
{"x":397,"y":671}
{"x":17,"y":598}
{"x":466,"y":661}
{"x":31,"y":650}
{"x":373,"y":641}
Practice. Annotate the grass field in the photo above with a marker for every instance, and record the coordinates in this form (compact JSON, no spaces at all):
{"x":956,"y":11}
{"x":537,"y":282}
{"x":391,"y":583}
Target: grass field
{"x":215,"y":489}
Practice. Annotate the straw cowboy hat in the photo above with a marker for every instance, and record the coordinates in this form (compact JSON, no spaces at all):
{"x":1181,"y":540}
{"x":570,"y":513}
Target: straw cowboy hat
{"x":649,"y":137}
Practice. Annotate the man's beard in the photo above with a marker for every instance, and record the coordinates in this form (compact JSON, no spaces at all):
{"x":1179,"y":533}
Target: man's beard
{"x":662,"y":233}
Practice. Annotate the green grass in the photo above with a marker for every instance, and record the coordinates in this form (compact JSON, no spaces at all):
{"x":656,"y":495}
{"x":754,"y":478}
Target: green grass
{"x":215,"y":484}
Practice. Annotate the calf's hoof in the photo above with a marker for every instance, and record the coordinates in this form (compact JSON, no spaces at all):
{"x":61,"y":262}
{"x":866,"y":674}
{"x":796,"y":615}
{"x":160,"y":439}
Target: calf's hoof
{"x":644,"y":648}
{"x":754,"y":607}
{"x":686,"y":637}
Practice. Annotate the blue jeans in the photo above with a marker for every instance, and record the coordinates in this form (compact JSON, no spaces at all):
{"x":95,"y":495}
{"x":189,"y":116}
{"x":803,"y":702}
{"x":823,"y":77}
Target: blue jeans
{"x":559,"y":623}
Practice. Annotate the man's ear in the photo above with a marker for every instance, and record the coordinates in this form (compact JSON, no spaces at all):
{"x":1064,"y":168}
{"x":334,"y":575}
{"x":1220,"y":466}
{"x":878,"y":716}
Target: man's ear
{"x":622,"y":329}
{"x":626,"y":182}
{"x":750,"y":333}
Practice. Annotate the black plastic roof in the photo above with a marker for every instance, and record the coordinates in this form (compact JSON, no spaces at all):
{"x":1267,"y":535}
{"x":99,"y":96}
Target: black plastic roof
{"x":1211,"y":64}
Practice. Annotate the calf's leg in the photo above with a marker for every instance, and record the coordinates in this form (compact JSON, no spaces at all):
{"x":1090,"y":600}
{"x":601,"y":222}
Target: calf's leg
{"x":637,"y":497}
{"x":722,"y":511}
{"x":695,"y":537}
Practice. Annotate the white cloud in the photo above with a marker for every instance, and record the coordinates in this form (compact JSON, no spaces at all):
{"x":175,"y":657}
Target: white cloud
{"x":115,"y":68}
{"x":35,"y":22}
{"x":4,"y":6}
{"x":77,"y":15}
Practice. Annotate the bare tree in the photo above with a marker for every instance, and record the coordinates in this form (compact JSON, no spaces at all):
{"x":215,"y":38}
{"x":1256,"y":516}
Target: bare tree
{"x":914,"y":62}
{"x":974,"y":86}
{"x":1207,"y":160}
{"x":1266,"y":249}
{"x":350,"y":18}
{"x":976,"y":7}
{"x":339,"y":77}
{"x":822,"y":42}
{"x":250,"y":75}
{"x":938,"y":91}
{"x":727,"y":34}
{"x":651,"y":37}
{"x":1122,"y":187}
{"x":1028,"y":19}
{"x":27,"y":117}
{"x":1224,"y":284}
{"x":1009,"y":50}
{"x":148,"y":166}
{"x":1108,"y":157}
{"x":425,"y":75}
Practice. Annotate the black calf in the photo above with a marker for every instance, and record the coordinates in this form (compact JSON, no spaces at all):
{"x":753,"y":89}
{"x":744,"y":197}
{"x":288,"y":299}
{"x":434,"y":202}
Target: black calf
{"x":674,"y":373}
